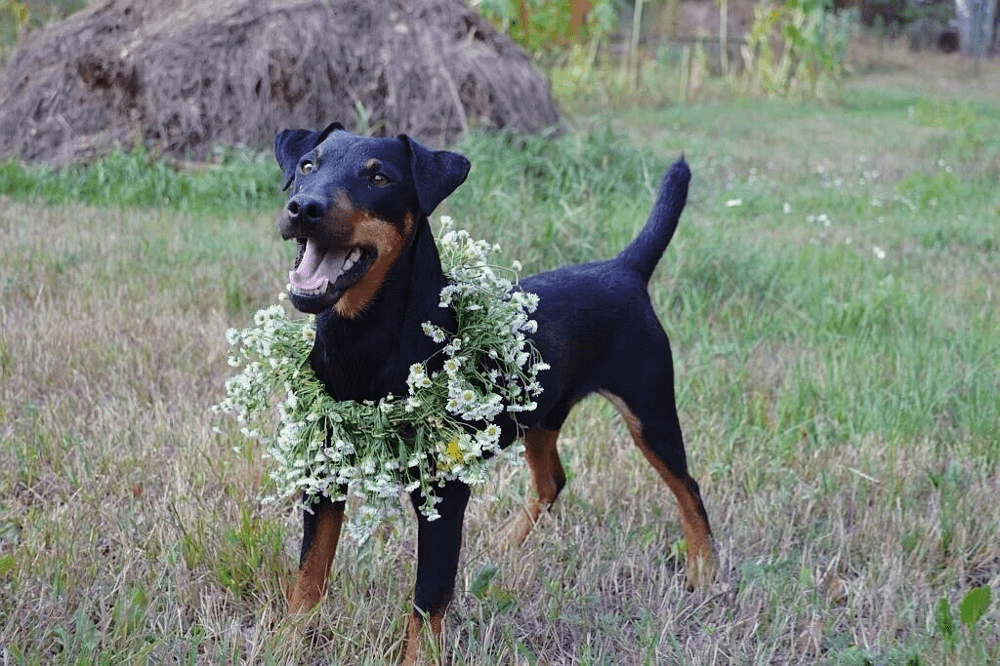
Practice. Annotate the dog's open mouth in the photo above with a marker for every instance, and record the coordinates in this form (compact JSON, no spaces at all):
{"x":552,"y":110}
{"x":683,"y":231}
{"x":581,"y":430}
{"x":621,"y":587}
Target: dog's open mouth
{"x":327,"y":271}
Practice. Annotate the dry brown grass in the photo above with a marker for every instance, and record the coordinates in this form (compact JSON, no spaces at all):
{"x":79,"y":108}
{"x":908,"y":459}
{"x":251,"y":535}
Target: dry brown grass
{"x":136,"y":534}
{"x":839,"y":424}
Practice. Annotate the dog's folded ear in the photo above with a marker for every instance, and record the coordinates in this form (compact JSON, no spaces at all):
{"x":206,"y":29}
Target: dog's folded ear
{"x":436,"y":173}
{"x":291,"y":144}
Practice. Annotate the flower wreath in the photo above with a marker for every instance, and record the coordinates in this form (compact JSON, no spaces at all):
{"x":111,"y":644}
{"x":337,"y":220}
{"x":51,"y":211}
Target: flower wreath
{"x":321,"y":445}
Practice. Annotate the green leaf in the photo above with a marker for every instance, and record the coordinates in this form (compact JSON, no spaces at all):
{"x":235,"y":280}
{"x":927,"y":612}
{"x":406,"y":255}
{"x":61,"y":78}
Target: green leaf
{"x":482,"y":581}
{"x":793,"y":35}
{"x":945,"y":623}
{"x":974,"y":605}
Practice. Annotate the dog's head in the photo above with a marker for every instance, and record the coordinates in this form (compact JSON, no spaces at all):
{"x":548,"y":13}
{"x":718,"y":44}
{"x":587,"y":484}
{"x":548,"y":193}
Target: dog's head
{"x":354,"y":206}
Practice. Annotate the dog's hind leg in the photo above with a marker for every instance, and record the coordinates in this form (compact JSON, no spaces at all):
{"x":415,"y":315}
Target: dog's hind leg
{"x":549,"y":478}
{"x":320,"y":535}
{"x":656,"y":431}
{"x":439,"y":542}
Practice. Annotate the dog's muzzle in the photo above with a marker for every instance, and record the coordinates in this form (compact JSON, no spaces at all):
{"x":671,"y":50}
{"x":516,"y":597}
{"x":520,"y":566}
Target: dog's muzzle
{"x":323,"y":269}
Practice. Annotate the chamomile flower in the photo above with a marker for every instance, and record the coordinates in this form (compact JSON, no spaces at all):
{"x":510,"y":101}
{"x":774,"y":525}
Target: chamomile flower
{"x":452,"y":365}
{"x":375,"y":450}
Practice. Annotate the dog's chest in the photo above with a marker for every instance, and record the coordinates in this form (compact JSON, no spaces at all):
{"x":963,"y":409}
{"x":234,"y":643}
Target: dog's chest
{"x":369,"y":367}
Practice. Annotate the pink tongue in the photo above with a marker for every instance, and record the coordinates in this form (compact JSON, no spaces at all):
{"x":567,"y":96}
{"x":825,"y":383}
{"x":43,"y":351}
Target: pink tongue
{"x":318,"y":267}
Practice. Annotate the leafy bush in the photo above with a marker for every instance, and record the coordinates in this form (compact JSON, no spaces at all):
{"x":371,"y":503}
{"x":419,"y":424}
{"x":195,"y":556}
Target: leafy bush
{"x":546,"y":28}
{"x":797,"y":47}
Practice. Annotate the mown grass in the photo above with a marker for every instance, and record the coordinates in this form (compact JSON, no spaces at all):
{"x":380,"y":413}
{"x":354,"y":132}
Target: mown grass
{"x":831,"y":296}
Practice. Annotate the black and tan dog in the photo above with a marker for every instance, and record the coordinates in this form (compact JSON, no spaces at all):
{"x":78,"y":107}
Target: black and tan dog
{"x":368,"y":267}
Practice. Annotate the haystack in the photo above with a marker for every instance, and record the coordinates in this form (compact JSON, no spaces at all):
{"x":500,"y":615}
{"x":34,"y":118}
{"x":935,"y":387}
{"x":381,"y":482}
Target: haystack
{"x":182,"y":76}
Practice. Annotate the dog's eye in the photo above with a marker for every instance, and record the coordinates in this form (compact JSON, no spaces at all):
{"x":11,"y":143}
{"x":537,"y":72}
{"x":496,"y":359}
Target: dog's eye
{"x":306,"y":167}
{"x":380,"y":179}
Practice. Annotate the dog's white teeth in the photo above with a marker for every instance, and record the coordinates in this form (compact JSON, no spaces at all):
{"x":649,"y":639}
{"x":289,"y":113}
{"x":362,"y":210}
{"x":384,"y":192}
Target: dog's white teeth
{"x":308,"y":291}
{"x":352,"y":259}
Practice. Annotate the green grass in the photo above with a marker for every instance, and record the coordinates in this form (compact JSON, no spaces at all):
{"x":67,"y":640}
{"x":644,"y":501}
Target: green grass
{"x":237,"y":181}
{"x":837,"y":371}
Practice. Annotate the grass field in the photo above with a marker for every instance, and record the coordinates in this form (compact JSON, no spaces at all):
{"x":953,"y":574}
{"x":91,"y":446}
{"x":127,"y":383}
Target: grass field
{"x":832,"y":299}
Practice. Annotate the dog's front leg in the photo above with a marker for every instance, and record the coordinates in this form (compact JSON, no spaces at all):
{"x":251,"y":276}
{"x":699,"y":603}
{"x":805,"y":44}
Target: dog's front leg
{"x":438,"y":544}
{"x":320,"y":535}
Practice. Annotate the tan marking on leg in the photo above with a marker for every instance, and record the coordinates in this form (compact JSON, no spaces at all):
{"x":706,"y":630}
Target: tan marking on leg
{"x":411,"y":640}
{"x":311,"y":580}
{"x":700,"y":560}
{"x":388,"y":243}
{"x":546,"y":469}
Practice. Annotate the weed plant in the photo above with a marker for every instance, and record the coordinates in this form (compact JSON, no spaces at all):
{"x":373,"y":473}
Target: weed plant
{"x":831,"y":296}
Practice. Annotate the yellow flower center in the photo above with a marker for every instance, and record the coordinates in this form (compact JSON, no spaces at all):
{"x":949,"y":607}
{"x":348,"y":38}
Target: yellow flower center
{"x":453,"y":451}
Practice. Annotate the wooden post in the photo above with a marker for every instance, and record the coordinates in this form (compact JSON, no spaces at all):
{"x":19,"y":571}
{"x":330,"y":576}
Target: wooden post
{"x":724,"y":37}
{"x":578,"y":10}
{"x":633,"y":51}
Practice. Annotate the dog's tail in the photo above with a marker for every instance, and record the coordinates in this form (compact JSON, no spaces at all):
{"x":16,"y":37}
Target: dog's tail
{"x":645,"y":250}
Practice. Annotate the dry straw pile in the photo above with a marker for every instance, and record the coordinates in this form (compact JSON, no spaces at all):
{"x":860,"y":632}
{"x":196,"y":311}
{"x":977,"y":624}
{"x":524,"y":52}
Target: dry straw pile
{"x":182,"y":76}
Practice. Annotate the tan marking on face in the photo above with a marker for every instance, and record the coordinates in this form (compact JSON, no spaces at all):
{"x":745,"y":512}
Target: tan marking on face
{"x":373,"y":163}
{"x":319,"y":153}
{"x":388,"y":243}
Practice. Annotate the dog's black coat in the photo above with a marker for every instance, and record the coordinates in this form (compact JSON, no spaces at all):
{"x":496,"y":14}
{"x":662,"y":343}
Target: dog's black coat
{"x":369,"y":198}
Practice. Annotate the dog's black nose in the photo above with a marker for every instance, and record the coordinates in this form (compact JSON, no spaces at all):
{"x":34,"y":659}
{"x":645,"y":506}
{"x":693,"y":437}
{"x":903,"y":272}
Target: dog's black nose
{"x":305,"y":209}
